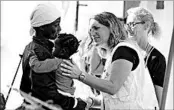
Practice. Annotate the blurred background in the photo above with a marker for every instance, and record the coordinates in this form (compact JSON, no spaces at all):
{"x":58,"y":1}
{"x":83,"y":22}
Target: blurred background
{"x":15,"y":25}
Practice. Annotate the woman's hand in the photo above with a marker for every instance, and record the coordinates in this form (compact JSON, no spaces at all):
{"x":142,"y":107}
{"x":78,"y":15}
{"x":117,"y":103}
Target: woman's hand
{"x":70,"y":69}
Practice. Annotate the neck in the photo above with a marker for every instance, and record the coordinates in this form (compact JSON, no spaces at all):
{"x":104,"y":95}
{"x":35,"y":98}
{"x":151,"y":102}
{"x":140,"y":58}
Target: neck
{"x":143,"y":45}
{"x":104,"y":51}
{"x":148,"y":48}
{"x":143,"y":41}
{"x":41,"y":36}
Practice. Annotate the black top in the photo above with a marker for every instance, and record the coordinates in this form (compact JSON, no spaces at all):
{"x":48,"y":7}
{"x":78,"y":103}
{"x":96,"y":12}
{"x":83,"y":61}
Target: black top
{"x":156,"y":64}
{"x":42,"y":85}
{"x":127,"y":53}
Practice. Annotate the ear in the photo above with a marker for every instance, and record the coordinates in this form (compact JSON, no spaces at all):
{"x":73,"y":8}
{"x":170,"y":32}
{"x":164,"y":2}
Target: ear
{"x":147,"y":25}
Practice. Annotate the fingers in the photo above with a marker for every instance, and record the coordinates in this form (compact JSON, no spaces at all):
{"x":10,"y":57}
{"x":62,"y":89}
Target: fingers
{"x":73,"y":62}
{"x":68,"y":63}
{"x":65,"y":68}
{"x":65,"y":74}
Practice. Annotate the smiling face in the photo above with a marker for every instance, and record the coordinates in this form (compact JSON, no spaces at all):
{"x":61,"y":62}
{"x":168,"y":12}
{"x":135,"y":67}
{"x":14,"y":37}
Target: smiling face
{"x":135,"y":26}
{"x":138,"y":29}
{"x":52,"y":30}
{"x":99,"y":33}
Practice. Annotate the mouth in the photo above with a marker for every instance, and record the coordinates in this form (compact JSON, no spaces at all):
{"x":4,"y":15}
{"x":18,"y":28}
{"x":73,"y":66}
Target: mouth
{"x":57,"y":34}
{"x":131,"y":32}
{"x":96,"y":39}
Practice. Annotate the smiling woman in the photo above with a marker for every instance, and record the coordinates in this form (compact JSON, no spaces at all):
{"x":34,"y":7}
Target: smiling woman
{"x":98,"y":31}
{"x":142,"y":25}
{"x":124,"y":63}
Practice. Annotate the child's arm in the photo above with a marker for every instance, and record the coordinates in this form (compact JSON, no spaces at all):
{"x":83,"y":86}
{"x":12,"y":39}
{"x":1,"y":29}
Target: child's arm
{"x":47,"y":65}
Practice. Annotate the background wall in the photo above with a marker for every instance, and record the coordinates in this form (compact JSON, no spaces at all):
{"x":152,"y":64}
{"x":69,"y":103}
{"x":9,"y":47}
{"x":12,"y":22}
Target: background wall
{"x":92,"y":8}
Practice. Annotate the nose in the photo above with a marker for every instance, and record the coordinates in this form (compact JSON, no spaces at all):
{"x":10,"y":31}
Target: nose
{"x":59,"y":28}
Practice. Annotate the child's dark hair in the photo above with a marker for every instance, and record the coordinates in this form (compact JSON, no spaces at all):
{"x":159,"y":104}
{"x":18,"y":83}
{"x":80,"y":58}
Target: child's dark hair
{"x":68,"y":45}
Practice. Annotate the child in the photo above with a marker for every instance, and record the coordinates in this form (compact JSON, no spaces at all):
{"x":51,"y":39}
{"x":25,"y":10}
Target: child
{"x":65,"y":46}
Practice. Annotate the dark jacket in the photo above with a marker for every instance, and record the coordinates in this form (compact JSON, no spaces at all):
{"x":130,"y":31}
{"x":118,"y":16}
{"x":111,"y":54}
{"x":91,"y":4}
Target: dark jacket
{"x":37,"y":78}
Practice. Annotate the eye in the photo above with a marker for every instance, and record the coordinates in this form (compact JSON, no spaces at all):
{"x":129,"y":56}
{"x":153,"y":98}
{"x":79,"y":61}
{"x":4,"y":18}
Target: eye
{"x":131,"y":24}
{"x":95,"y":27}
{"x":56,"y":25}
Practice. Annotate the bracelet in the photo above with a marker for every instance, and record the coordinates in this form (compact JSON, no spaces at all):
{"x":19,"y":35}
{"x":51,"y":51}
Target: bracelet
{"x":81,"y":77}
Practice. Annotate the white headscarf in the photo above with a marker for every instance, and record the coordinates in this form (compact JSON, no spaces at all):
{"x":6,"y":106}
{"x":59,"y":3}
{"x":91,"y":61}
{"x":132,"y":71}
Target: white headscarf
{"x":43,"y":14}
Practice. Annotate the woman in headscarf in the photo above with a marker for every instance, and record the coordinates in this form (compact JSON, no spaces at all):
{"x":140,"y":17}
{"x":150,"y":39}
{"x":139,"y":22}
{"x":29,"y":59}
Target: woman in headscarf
{"x":39,"y":65}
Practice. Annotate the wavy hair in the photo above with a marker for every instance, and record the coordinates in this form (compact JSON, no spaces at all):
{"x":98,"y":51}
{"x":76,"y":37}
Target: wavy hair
{"x":118,"y":32}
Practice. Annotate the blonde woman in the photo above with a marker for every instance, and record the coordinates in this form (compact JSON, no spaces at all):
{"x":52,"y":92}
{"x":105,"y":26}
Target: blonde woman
{"x":141,"y":26}
{"x":124,"y":80}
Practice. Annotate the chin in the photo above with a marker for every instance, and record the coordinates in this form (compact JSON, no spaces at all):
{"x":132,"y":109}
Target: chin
{"x":97,"y":43}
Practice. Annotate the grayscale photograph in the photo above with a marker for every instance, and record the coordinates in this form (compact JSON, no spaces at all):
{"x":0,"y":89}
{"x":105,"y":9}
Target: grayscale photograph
{"x":86,"y":55}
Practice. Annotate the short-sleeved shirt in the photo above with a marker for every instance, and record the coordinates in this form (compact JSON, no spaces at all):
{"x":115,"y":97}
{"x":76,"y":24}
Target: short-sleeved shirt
{"x":127,"y":53}
{"x":157,"y":65}
{"x":156,"y":62}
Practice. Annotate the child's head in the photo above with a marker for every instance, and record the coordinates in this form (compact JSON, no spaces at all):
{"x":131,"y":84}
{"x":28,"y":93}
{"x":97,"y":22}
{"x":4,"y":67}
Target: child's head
{"x":65,"y":46}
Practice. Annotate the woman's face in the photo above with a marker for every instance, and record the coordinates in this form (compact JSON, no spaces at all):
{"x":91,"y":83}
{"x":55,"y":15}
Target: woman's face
{"x":99,"y":33}
{"x":52,"y":30}
{"x":135,"y":27}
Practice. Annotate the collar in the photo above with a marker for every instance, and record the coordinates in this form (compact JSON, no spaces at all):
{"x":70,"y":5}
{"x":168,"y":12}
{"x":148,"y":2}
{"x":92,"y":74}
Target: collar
{"x":44,"y":42}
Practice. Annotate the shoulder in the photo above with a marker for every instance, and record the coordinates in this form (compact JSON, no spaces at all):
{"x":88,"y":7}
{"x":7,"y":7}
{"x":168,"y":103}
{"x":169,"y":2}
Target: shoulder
{"x":28,"y":48}
{"x":125,"y":47}
{"x":126,"y":53}
{"x":34,"y":48}
{"x":158,"y":59}
{"x":158,"y":55}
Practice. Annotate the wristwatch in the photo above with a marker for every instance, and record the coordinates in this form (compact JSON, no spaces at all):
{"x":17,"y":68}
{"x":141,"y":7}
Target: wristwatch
{"x":82,"y":77}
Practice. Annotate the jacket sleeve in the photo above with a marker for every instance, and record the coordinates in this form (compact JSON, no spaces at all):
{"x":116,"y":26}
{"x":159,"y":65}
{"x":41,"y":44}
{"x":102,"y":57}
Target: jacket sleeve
{"x":47,"y":65}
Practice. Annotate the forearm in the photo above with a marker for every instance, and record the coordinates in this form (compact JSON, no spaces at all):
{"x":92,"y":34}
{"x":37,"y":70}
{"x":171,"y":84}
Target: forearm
{"x":159,"y":91}
{"x":100,"y":84}
{"x":47,"y":65}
